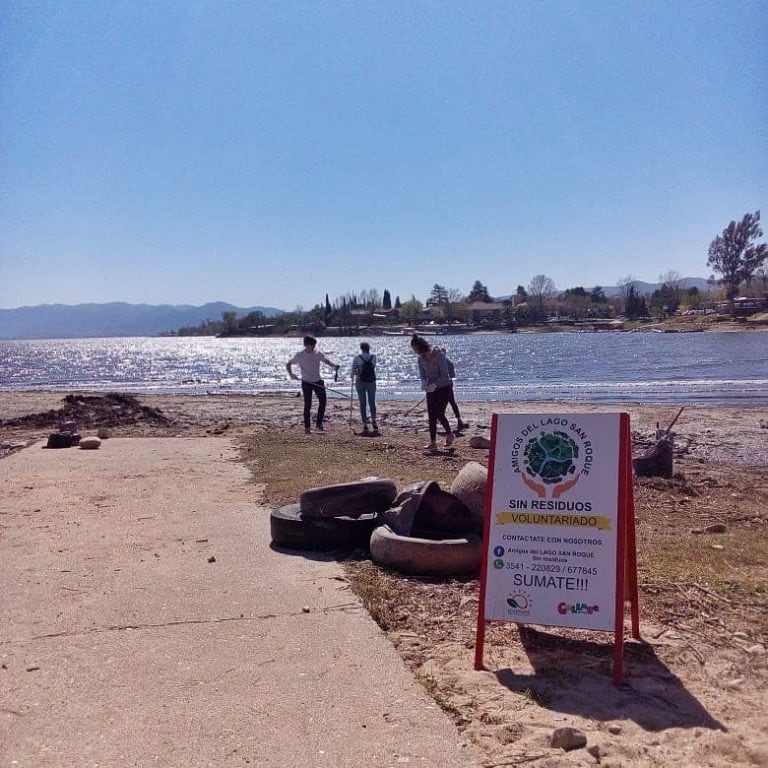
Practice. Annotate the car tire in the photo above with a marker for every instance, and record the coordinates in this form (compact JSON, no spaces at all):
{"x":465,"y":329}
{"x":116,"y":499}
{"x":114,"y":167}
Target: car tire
{"x":291,"y":530}
{"x":348,"y":499}
{"x":425,"y":557}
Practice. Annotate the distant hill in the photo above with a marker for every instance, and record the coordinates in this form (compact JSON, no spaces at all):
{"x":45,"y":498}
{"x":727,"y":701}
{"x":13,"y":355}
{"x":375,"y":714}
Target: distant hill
{"x":62,"y":321}
{"x":645,"y":289}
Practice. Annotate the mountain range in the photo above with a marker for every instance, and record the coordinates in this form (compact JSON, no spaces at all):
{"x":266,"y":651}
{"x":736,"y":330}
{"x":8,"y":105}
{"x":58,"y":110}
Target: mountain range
{"x":79,"y":321}
{"x":64,"y":321}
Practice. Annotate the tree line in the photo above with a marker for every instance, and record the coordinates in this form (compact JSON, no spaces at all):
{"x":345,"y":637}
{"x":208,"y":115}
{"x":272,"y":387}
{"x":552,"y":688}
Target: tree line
{"x":735,"y":255}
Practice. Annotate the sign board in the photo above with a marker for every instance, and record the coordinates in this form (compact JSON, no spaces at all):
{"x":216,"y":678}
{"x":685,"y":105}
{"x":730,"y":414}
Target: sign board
{"x":556,"y":520}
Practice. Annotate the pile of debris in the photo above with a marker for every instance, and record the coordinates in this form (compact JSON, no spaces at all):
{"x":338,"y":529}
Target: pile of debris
{"x":93,"y":411}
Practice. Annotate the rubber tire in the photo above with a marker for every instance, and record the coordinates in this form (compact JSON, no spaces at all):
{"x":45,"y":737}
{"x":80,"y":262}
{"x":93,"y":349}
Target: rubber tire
{"x":426,"y":557}
{"x":291,"y":530}
{"x":348,"y":499}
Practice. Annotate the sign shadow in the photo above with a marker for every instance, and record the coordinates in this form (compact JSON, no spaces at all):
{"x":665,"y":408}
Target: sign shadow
{"x":574,"y":676}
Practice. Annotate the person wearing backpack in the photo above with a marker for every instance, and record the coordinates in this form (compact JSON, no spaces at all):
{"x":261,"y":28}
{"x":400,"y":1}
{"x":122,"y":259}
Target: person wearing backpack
{"x":364,"y":377}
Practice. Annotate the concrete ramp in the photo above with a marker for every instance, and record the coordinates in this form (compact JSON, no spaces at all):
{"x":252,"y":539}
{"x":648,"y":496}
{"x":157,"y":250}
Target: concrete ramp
{"x":147,"y":622}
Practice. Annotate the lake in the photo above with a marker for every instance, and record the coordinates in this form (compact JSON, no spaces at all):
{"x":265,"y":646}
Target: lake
{"x":685,"y":368}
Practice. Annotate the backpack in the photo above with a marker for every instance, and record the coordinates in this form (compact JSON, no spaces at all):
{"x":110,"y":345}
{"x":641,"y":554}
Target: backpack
{"x":367,"y":372}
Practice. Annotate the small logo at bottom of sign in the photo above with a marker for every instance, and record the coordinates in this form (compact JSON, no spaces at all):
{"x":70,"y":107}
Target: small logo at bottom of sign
{"x":518,"y":603}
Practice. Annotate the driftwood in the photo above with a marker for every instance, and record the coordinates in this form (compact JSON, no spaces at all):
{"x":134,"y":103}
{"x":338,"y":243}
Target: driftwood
{"x":658,"y":460}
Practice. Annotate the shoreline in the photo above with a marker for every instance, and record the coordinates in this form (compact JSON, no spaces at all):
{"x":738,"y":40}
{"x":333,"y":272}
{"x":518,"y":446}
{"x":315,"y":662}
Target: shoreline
{"x":726,"y":433}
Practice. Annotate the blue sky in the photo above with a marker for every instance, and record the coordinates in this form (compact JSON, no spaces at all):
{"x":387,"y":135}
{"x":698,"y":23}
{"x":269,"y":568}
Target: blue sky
{"x":272,"y":152}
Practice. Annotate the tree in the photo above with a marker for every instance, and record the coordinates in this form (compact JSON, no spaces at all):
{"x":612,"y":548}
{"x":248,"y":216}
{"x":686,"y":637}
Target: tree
{"x":411,"y":310}
{"x":452,"y":307}
{"x":479,"y":293}
{"x":521,"y":294}
{"x":397,"y":302}
{"x":328,"y":310}
{"x":386,"y":301}
{"x":736,"y":255}
{"x":597,"y":295}
{"x":635,"y":305}
{"x":541,"y":287}
{"x":230,"y":321}
{"x":438,"y":297}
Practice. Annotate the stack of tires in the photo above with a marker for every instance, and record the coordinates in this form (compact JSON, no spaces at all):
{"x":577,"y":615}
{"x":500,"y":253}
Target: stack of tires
{"x":424,"y":531}
{"x":333,"y":517}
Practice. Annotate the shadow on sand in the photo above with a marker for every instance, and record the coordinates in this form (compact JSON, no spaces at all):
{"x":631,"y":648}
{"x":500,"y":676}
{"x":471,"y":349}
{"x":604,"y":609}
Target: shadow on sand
{"x":574,"y":676}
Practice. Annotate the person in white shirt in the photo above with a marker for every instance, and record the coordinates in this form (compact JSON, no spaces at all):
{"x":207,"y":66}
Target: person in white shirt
{"x":309,"y":360}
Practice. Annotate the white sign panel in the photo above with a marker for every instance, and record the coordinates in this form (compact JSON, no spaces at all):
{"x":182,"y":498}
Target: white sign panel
{"x":553,"y":520}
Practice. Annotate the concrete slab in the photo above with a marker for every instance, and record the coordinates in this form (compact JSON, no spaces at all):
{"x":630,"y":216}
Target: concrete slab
{"x":122,"y":645}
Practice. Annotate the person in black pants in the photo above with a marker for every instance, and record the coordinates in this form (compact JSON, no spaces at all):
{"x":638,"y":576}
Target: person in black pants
{"x":435,"y":381}
{"x":309,"y":360}
{"x":451,"y":397}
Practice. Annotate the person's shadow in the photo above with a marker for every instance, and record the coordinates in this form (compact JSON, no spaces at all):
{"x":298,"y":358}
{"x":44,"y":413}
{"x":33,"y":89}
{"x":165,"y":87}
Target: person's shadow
{"x":575,"y":676}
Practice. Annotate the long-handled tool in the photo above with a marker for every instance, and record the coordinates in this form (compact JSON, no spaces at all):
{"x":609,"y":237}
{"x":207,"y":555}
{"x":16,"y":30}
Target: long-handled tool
{"x":674,"y":420}
{"x":410,"y":410}
{"x":351,"y":395}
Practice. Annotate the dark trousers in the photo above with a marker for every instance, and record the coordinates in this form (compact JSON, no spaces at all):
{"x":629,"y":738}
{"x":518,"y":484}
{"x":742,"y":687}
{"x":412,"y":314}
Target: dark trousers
{"x":437,"y":402}
{"x":452,"y":403}
{"x":318,"y":387}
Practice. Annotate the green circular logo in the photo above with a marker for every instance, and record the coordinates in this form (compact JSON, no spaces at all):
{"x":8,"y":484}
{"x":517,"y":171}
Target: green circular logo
{"x":551,"y":457}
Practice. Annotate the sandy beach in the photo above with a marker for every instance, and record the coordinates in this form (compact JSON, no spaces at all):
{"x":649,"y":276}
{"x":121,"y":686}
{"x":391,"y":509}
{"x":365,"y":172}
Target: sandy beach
{"x":697,"y":684}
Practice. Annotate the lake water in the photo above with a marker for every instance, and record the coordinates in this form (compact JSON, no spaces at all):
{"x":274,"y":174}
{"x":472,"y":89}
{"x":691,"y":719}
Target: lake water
{"x":585,"y":367}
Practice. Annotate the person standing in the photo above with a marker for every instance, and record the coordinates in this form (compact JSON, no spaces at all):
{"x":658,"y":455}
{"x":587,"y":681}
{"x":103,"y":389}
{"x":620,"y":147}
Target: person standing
{"x":452,"y":397}
{"x":309,"y":360}
{"x":435,"y":381}
{"x":364,"y":377}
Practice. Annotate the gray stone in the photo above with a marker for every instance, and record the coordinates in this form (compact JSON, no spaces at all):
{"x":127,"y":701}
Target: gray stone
{"x":568,"y":738}
{"x":715,"y":528}
{"x":469,"y":486}
{"x":478,"y":441}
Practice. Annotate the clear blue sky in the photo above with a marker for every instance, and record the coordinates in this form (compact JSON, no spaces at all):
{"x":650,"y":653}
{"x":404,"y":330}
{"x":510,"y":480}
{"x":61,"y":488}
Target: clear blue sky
{"x":272,"y":152}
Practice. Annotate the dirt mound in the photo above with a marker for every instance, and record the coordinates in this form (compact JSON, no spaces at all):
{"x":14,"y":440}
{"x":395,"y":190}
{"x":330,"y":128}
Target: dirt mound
{"x":92,"y":411}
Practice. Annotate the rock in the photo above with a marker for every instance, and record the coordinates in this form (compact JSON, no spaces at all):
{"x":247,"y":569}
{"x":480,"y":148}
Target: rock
{"x":89,"y":443}
{"x":756,"y":650}
{"x":568,"y":738}
{"x":469,"y":487}
{"x":211,"y":559}
{"x":104,"y":433}
{"x":62,"y":440}
{"x":715,"y":528}
{"x":478,"y":441}
{"x":615,"y":729}
{"x":305,"y":609}
{"x":595,"y":751}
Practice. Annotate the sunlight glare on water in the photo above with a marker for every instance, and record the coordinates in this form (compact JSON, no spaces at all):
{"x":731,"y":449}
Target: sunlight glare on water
{"x":596,"y":367}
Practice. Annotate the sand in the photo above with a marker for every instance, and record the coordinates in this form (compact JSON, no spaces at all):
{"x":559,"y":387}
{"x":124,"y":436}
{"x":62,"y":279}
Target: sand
{"x":697,"y":691}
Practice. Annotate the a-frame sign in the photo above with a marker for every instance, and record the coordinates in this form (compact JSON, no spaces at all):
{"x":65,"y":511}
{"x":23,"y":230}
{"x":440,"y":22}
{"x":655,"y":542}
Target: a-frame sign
{"x":559,"y":536}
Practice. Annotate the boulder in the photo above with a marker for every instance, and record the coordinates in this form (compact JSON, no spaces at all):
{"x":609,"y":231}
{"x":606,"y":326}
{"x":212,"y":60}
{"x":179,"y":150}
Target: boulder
{"x":89,"y":443}
{"x":478,"y":441}
{"x":469,"y":487}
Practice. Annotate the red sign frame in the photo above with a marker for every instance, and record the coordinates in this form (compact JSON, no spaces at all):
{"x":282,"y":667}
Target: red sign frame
{"x":626,"y":551}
